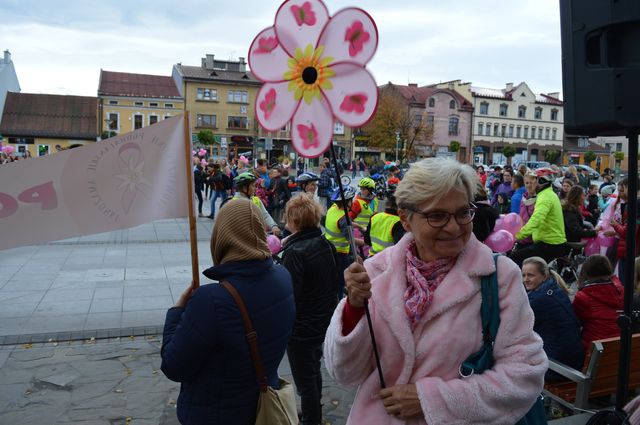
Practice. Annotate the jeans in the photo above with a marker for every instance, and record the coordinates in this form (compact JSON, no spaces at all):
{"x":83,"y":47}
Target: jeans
{"x":199,"y":195}
{"x":304,"y":359}
{"x":222,"y":194}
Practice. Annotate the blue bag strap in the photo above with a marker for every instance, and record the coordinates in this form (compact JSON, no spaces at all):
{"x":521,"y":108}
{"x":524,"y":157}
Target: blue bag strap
{"x":490,"y":308}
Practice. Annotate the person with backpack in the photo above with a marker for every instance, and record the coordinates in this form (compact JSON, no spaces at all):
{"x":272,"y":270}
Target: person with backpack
{"x":217,"y":182}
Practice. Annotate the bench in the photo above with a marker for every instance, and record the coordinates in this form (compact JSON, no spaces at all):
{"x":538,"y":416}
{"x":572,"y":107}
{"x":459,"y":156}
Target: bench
{"x":599,"y":375}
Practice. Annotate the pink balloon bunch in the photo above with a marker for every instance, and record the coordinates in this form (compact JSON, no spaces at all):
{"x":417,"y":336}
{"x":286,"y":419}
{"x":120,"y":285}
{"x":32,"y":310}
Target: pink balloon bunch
{"x":274,"y":244}
{"x":592,"y":247}
{"x":500,"y":240}
{"x":202,"y":152}
{"x":203,"y":162}
{"x":511,"y":222}
{"x":8,"y":149}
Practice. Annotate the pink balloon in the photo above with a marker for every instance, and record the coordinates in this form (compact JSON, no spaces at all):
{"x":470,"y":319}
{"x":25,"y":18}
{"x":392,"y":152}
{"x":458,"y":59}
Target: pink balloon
{"x":8,"y":149}
{"x":500,"y":241}
{"x":606,"y":241}
{"x":499,"y":224}
{"x":202,"y":152}
{"x":274,"y":244}
{"x":512,"y":223}
{"x":592,"y":247}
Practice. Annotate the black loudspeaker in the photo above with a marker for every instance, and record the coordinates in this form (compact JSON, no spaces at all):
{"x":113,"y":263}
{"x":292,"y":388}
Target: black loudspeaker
{"x":601,"y":66}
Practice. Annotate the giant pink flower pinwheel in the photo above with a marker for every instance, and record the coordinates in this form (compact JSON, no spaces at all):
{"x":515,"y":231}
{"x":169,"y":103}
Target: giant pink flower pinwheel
{"x":313,"y":69}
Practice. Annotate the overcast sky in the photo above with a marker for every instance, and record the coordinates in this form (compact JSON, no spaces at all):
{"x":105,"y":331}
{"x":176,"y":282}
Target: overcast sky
{"x":60,"y":46}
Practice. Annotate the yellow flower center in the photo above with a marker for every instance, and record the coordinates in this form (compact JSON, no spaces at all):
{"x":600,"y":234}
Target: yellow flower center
{"x":308,"y":73}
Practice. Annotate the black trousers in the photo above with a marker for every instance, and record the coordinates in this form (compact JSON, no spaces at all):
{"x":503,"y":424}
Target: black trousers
{"x":199,"y":195}
{"x":304,"y":359}
{"x":540,"y":249}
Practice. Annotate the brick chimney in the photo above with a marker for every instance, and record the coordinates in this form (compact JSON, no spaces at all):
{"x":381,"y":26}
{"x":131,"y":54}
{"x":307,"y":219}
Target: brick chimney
{"x":207,"y":62}
{"x":413,"y":84}
{"x":7,"y":56}
{"x":242,"y":65}
{"x":509,"y":86}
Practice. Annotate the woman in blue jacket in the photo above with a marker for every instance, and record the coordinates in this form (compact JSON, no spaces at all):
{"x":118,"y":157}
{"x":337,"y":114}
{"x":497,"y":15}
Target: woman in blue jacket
{"x":555,"y":320}
{"x":204,"y":346}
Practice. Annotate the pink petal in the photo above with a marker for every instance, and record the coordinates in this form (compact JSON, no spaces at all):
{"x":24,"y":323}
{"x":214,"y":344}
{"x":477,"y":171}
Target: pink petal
{"x":290,"y":34}
{"x":318,"y":115}
{"x":265,"y":65}
{"x":342,"y":24}
{"x":285,"y":106}
{"x":352,"y":80}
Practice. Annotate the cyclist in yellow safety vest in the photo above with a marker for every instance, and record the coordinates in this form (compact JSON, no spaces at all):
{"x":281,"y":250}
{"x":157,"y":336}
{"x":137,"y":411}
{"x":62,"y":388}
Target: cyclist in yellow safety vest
{"x":246,"y":188}
{"x":336,"y":232}
{"x":365,"y":203}
{"x":384,"y":229}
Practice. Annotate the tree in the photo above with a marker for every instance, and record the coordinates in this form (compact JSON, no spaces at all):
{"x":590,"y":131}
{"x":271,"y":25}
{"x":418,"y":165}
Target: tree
{"x":394,"y":123}
{"x":508,"y":151}
{"x":589,"y":157}
{"x":551,"y":155}
{"x":205,"y":137}
{"x":619,"y":156}
{"x":107,"y":134}
{"x":454,"y":146}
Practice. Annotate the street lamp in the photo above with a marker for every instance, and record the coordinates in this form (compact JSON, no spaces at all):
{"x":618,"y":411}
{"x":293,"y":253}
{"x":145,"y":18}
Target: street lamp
{"x":397,"y":142}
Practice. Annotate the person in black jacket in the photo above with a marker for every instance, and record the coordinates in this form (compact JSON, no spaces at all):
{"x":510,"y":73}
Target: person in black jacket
{"x":486,"y":216}
{"x":313,"y":263}
{"x":574,"y":227}
{"x":198,"y":180}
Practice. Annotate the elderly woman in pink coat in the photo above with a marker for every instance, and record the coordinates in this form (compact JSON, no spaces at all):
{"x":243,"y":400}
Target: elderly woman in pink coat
{"x":424,"y":297}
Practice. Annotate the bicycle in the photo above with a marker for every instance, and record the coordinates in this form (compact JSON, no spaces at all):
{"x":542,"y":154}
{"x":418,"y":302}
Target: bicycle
{"x":346,"y":180}
{"x":569,"y":265}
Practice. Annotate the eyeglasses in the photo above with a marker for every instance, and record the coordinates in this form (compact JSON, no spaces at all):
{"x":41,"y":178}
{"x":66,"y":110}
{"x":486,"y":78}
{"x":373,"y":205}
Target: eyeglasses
{"x":439,"y":219}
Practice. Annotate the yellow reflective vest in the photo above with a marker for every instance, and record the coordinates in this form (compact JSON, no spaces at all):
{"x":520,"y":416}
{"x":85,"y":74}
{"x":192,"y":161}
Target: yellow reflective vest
{"x":381,"y":231}
{"x":332,"y":231}
{"x":367,"y":209}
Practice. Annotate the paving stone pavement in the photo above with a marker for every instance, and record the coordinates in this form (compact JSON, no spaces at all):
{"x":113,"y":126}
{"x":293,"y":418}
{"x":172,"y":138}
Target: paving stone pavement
{"x":115,"y":381}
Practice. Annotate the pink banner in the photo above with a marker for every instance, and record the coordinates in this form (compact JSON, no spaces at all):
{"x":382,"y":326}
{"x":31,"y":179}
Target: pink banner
{"x":113,"y":184}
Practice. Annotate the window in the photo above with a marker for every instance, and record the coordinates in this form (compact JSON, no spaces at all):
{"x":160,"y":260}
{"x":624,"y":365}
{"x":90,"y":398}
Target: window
{"x":138,"y":103}
{"x":554,"y":115}
{"x":518,"y":131}
{"x":153,"y":119}
{"x":495,"y":130}
{"x":206,"y":121}
{"x":503,"y":131}
{"x":484,"y":108}
{"x":533,"y":132}
{"x":430,"y":119}
{"x":488,"y":133}
{"x":153,"y":104}
{"x":452,"y":104}
{"x":417,"y":120}
{"x":137,"y":121}
{"x":453,"y":126}
{"x":237,"y":122}
{"x":113,"y":102}
{"x":526,"y":132}
{"x":538,"y":113}
{"x":338,"y":128}
{"x":618,"y":147}
{"x":206,"y":94}
{"x":113,"y":121}
{"x":522,"y":111}
{"x":480,"y":128}
{"x":540,"y":133}
{"x":546,"y":133}
{"x":432,"y":102}
{"x":554,"y":133}
{"x":168,"y":105}
{"x":43,"y":150}
{"x":503,"y":109}
{"x":237,"y":96}
{"x":511,"y":130}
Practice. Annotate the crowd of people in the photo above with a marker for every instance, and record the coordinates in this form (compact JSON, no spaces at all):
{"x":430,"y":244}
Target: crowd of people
{"x":424,"y":258}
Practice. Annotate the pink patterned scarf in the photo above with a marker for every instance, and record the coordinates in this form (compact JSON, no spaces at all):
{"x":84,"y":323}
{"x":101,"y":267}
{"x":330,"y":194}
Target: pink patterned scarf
{"x":422,"y":281}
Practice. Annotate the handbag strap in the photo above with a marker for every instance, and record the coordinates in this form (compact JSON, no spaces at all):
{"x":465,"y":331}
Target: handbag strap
{"x":490,"y":308}
{"x":250,"y":334}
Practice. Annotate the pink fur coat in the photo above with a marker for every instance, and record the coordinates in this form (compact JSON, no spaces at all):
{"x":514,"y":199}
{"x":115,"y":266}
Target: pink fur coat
{"x":448,"y":333}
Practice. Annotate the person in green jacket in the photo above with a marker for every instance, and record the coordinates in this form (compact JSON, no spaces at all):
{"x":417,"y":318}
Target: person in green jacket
{"x":546,"y":225}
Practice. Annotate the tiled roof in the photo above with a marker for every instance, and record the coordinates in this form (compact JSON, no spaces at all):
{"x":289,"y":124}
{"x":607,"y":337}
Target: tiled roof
{"x":504,"y":94}
{"x":136,"y":85}
{"x":50,"y":115}
{"x":200,"y":73}
{"x":414,"y":94}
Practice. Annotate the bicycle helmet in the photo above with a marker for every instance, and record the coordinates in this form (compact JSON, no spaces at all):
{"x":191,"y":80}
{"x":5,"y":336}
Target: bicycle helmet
{"x":349,"y":193}
{"x":306,"y":178}
{"x":545,"y":176}
{"x":367,"y":183}
{"x":244,"y":179}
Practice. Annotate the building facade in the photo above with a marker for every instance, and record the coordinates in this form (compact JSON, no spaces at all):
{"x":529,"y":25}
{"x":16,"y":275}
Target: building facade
{"x":41,"y":124}
{"x":8,"y":78}
{"x":128,"y":102}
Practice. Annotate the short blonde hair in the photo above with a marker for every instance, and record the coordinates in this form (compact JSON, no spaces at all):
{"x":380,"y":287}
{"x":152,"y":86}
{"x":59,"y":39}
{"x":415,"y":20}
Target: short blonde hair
{"x":303,"y":212}
{"x":432,"y":179}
